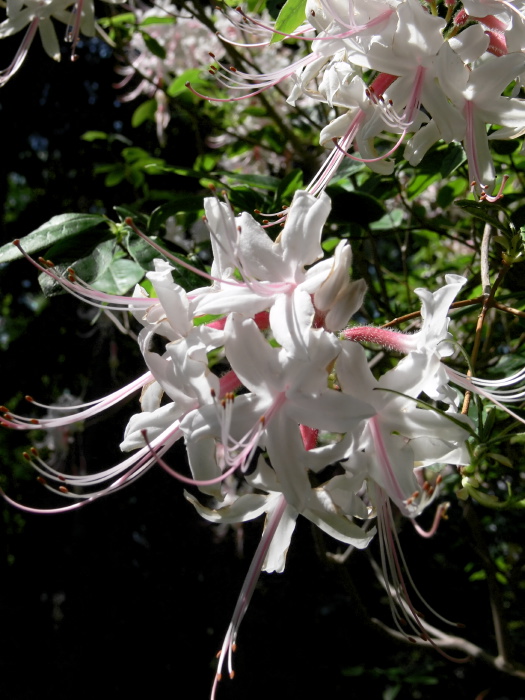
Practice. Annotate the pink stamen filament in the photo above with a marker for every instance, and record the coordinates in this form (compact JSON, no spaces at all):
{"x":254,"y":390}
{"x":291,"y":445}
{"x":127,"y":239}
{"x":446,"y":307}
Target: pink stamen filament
{"x":243,"y":601}
{"x":84,"y":411}
{"x":21,"y":53}
{"x":87,"y":294}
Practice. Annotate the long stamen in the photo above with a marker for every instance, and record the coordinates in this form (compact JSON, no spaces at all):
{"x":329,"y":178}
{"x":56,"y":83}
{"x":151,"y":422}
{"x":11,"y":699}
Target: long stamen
{"x":243,"y":601}
{"x":82,"y":411}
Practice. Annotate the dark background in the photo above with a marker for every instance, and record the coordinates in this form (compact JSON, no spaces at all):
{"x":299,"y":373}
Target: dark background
{"x":132,"y":595}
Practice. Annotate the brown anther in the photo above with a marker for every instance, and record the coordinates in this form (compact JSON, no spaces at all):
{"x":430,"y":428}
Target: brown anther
{"x":312,"y":12}
{"x":232,"y":675}
{"x":211,"y":71}
{"x":4,"y":409}
{"x":415,"y":495}
{"x":256,"y":211}
{"x":233,"y":69}
{"x":34,"y":451}
{"x":409,"y":501}
{"x":424,"y":637}
{"x":50,"y":263}
{"x":211,"y":54}
{"x":27,"y":456}
{"x":262,"y":420}
{"x":460,"y":625}
{"x":439,"y":479}
{"x":41,"y":480}
{"x":412,"y":640}
{"x":426,"y":486}
{"x":265,"y":221}
{"x":219,"y":675}
{"x":213,"y":393}
{"x":28,"y":398}
{"x":16,"y":242}
{"x":42,"y":261}
{"x":234,"y":646}
{"x":8,"y":416}
{"x":62,"y":478}
{"x":63,"y":489}
{"x":390,"y":103}
{"x":34,"y":421}
{"x":403,"y":622}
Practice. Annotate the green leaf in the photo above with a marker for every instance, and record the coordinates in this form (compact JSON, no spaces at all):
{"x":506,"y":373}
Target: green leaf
{"x":478,"y":576}
{"x":141,"y":251}
{"x":290,"y":17}
{"x":145,"y":111}
{"x":94,"y":136}
{"x":179,"y":203}
{"x":262,"y":182}
{"x":119,"y":277}
{"x":484,"y":211}
{"x":153,"y":46}
{"x":389,"y":221}
{"x":453,"y":157}
{"x":420,"y":183}
{"x":157,"y":20}
{"x":288,"y":185}
{"x":87,"y":261}
{"x":115,"y":20}
{"x":56,"y":229}
{"x":178,"y":86}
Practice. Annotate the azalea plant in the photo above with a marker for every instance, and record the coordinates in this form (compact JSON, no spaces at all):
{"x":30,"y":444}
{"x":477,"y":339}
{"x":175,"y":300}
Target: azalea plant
{"x":325,"y":302}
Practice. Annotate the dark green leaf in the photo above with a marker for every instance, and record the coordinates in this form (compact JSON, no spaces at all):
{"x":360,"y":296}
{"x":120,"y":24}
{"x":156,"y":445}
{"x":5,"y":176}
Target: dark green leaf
{"x":453,"y":156}
{"x":58,"y":228}
{"x":178,"y":203}
{"x":485,"y":211}
{"x":154,"y":46}
{"x":289,"y":184}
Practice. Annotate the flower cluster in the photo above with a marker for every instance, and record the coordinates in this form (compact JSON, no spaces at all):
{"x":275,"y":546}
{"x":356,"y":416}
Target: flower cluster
{"x":395,"y":69}
{"x":183,"y":43}
{"x":38,"y":16}
{"x":265,"y":379}
{"x":263,"y":372}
